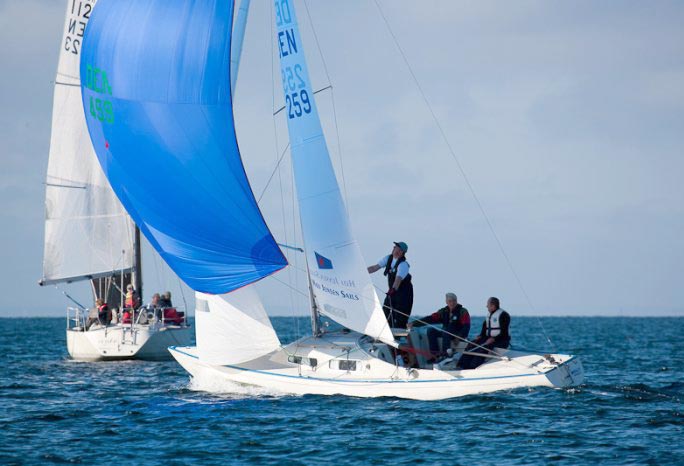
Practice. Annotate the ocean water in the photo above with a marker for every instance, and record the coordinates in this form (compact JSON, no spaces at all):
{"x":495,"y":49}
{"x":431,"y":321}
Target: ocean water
{"x":55,"y":411}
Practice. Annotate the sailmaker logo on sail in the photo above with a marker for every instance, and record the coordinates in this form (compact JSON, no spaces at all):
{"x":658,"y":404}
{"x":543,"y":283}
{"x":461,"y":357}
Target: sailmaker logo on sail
{"x":323,"y":262}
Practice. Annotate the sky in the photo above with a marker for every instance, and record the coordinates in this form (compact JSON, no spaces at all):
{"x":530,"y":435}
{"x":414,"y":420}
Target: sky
{"x":567,"y":119}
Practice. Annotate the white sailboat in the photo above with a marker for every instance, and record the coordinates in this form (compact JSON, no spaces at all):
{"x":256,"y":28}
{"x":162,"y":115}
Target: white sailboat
{"x":235,"y":340}
{"x":88,"y":234}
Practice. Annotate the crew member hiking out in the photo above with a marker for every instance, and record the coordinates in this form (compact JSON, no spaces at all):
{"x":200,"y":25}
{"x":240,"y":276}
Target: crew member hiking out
{"x":494,"y":334}
{"x":399,"y":299}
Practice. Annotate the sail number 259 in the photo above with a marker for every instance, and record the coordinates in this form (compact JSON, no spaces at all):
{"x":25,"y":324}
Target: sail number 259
{"x":297,"y":103}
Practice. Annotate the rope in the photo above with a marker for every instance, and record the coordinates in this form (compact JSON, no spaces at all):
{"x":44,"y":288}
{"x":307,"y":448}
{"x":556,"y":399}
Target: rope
{"x":462,"y":170}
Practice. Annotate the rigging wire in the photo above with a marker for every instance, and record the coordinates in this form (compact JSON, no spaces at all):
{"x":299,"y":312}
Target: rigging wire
{"x":278,"y":160}
{"x":185,"y":303}
{"x":292,"y":288}
{"x":461,"y":170}
{"x":270,"y":178}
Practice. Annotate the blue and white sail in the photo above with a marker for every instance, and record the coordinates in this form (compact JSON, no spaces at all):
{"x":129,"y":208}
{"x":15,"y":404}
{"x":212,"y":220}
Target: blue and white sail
{"x":87,"y":232}
{"x":340,"y":281}
{"x":157,"y":99}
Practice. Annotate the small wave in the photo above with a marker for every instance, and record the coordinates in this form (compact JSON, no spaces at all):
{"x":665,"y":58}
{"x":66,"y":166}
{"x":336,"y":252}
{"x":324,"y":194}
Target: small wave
{"x":16,"y":386}
{"x":641,"y":391}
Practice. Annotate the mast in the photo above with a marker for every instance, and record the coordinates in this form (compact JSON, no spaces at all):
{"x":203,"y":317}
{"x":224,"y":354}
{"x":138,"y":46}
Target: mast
{"x":137,"y":264}
{"x":315,"y":315}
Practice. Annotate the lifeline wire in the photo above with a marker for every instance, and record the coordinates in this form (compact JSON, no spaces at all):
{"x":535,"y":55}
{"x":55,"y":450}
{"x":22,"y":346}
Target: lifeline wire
{"x":463,"y":173}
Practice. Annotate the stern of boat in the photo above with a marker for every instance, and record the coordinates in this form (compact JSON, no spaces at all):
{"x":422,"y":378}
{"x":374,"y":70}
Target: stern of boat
{"x":568,"y":373}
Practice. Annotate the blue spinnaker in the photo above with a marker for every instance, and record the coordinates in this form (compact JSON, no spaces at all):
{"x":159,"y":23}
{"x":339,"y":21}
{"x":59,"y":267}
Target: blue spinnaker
{"x":157,"y":99}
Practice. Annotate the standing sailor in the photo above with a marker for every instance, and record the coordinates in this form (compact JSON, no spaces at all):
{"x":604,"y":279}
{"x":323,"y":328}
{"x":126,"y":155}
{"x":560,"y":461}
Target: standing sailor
{"x":494,"y":334}
{"x":399,"y":299}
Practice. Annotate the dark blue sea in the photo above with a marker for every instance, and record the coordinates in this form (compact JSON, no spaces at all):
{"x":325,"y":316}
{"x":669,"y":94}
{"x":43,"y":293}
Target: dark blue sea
{"x":55,"y":411}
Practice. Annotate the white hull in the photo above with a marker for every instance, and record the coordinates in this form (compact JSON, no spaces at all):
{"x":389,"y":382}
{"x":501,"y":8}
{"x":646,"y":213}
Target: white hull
{"x":374,"y":376}
{"x":116,"y":342}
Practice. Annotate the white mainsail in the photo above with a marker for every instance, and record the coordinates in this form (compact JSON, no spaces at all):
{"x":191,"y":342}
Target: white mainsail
{"x":87,"y":231}
{"x":340,"y":282}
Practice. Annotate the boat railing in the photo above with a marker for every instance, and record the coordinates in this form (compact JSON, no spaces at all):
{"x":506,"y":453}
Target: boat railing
{"x":79,"y":317}
{"x":155,"y":315}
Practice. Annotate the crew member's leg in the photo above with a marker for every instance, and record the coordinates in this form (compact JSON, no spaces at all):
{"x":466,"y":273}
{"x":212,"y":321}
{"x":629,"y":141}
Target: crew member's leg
{"x":433,"y":335}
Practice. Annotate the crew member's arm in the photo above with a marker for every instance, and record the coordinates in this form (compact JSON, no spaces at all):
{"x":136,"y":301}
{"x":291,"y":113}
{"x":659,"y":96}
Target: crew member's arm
{"x":482,"y":334}
{"x":463,"y":324}
{"x":397,"y":282}
{"x":505,"y":322}
{"x":381,"y":263}
{"x":402,"y":272}
{"x":431,"y":319}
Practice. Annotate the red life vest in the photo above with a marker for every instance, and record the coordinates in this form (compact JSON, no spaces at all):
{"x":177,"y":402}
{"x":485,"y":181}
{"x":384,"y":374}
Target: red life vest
{"x":131,"y":299}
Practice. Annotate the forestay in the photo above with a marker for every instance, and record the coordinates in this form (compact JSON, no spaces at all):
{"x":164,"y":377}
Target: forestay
{"x":87,"y":231}
{"x":158,"y":106}
{"x":338,"y":273}
{"x":233,"y":328}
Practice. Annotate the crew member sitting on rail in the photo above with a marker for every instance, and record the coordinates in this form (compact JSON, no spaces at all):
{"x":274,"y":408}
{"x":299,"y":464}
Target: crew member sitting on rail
{"x":494,"y":334}
{"x":165,"y":300}
{"x":153,"y":307}
{"x":399,"y":299}
{"x":99,"y":314}
{"x":455,"y":320}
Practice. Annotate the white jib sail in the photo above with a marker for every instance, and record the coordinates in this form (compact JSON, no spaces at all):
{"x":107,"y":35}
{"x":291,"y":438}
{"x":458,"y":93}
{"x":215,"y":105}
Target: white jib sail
{"x":338,"y":272}
{"x":233,"y":328}
{"x":87,"y":231}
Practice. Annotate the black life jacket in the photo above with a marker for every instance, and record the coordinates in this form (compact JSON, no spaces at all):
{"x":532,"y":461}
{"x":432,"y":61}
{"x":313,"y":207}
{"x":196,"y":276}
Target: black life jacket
{"x":391,"y":273}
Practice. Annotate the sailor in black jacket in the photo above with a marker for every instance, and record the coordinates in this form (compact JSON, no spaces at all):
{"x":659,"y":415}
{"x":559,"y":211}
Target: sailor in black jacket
{"x":455,"y":320}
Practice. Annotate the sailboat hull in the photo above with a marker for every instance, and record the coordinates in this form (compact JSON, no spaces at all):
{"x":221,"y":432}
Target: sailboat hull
{"x":119,"y":342}
{"x":373,"y":376}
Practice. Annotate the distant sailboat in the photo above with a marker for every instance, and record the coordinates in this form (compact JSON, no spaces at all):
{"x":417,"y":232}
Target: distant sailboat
{"x":88,"y":234}
{"x":162,"y":72}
